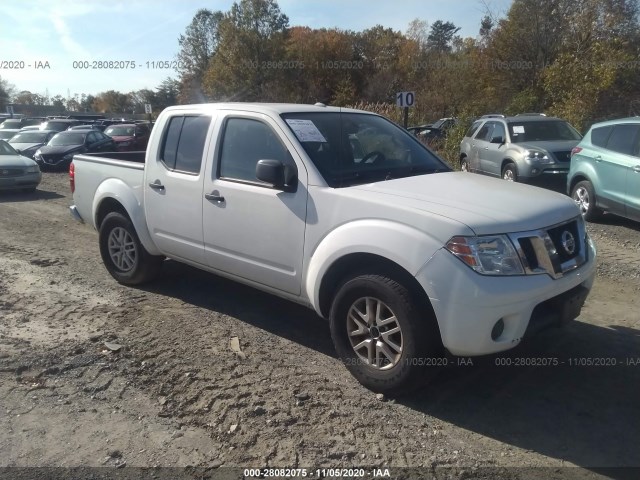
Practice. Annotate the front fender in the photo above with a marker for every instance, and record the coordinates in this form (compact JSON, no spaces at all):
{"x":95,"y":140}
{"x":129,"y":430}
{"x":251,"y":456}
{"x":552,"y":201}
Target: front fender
{"x":406,"y":246}
{"x":131,"y":199}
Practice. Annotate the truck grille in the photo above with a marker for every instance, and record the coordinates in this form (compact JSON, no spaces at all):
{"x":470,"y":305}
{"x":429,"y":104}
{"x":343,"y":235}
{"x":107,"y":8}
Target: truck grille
{"x":11,"y":172}
{"x":555,"y":250}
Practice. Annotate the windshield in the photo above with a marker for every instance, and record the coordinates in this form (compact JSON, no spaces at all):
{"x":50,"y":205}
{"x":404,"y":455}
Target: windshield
{"x":6,"y":149}
{"x":542,"y":131}
{"x":354,"y":148}
{"x":67,"y":139}
{"x":30,"y":137}
{"x":119,"y":131}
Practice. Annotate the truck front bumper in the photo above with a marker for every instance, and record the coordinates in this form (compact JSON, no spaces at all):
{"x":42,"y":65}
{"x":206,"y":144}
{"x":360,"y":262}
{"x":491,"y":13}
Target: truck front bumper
{"x":73,"y":210}
{"x":481,"y":314}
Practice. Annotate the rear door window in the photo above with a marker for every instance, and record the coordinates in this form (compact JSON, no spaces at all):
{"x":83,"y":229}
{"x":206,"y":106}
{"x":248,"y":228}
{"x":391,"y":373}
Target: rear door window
{"x":183,"y":144}
{"x":623,"y":139}
{"x":472,"y":129}
{"x":599,"y":136}
{"x":484,"y":133}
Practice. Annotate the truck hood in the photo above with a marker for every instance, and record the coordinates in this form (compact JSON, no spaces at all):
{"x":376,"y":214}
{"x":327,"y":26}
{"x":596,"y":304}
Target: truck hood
{"x":486,"y":205}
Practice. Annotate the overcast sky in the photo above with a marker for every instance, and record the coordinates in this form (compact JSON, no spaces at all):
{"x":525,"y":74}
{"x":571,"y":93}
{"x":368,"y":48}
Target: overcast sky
{"x":60,"y":32}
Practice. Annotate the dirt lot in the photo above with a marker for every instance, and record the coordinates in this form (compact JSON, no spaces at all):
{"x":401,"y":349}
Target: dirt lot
{"x":175,"y":394}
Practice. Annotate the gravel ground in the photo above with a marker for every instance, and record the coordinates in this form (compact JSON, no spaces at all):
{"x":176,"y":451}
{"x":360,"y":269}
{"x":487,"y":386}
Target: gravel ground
{"x":96,"y":374}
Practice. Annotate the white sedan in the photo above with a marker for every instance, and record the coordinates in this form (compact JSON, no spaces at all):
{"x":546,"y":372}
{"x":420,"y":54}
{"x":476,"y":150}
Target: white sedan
{"x":17,"y":172}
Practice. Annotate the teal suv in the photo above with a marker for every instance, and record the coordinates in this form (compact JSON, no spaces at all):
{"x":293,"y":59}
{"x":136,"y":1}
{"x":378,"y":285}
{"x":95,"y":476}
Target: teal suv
{"x":605,"y":170}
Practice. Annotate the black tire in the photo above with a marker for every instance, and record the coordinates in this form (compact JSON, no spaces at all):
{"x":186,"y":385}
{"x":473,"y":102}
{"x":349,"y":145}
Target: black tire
{"x":421,"y":351}
{"x":584,"y":195}
{"x":141,"y":265}
{"x":510,"y":170}
{"x":464,"y":165}
{"x":29,"y":190}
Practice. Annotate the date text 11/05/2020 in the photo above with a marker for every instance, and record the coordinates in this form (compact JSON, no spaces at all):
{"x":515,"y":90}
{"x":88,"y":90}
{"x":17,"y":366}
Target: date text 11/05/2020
{"x":372,"y":473}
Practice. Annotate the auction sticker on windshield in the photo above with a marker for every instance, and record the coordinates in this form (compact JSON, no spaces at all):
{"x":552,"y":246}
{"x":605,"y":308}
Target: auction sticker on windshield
{"x":306,"y":130}
{"x":518,"y":129}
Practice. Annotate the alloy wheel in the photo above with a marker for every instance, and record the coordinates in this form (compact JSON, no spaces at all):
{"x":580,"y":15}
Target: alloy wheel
{"x":122,"y":249}
{"x":374,"y":333}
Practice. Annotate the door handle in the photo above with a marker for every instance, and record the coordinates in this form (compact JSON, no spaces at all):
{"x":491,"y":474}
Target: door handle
{"x":157,"y":185}
{"x":598,"y":158}
{"x":636,"y":169}
{"x":214,"y":197}
{"x":486,"y":148}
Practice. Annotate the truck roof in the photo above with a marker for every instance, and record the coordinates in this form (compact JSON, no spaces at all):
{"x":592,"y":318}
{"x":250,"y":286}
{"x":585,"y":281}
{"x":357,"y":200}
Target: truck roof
{"x":256,"y":107}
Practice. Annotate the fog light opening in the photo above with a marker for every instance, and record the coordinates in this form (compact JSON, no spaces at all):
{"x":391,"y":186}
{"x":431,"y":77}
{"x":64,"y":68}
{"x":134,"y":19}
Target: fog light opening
{"x":497,"y":330}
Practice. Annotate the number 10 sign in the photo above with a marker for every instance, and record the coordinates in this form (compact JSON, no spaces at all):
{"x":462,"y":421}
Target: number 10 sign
{"x":405,"y":99}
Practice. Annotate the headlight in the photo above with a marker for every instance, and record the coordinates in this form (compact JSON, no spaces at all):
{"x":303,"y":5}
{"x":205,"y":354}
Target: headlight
{"x":537,"y":156}
{"x":38,"y":154}
{"x":487,"y":255}
{"x":68,"y":156}
{"x":33,"y":169}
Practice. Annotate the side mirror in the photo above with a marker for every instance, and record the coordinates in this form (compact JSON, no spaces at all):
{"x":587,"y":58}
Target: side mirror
{"x":272,"y":172}
{"x":499,"y":140}
{"x":275,"y":173}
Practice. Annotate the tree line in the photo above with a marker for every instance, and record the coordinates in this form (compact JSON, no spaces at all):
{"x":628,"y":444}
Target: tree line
{"x":166,"y":94}
{"x":577,"y":59}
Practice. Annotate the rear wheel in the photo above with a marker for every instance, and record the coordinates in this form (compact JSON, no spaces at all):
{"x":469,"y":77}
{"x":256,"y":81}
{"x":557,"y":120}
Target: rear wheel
{"x":384,"y":340}
{"x":122,"y":253}
{"x":510,"y":173}
{"x":585,"y":197}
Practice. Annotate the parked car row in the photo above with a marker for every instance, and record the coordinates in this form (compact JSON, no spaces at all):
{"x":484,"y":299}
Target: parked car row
{"x":53,"y":143}
{"x":600,"y":171}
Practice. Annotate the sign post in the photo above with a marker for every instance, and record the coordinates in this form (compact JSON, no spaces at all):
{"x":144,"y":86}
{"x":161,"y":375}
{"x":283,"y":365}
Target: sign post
{"x":405,"y":100}
{"x":147,"y":110}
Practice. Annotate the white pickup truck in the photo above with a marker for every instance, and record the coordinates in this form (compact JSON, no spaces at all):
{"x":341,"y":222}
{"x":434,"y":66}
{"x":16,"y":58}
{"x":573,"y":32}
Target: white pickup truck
{"x":343,"y":211}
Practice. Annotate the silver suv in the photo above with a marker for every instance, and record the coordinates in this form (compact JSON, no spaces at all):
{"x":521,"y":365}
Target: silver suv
{"x":528,"y":148}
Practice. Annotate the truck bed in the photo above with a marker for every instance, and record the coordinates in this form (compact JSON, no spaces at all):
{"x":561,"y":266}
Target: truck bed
{"x":95,"y":173}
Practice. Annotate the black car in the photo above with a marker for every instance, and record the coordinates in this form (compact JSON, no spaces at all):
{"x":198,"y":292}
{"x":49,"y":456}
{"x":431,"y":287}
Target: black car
{"x":58,"y":153}
{"x":27,"y":142}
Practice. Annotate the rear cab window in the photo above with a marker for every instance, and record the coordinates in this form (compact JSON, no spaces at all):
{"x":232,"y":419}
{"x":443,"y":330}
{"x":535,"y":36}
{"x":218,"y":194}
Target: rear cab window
{"x":183,"y":143}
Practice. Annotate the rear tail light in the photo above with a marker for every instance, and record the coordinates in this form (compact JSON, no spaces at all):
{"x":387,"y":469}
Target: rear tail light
{"x":72,"y":177}
{"x":575,"y":150}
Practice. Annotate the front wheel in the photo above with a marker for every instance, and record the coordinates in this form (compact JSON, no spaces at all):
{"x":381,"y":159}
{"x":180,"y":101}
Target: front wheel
{"x":464,"y":164}
{"x":509,"y":173}
{"x":382,"y":338}
{"x":122,"y":253}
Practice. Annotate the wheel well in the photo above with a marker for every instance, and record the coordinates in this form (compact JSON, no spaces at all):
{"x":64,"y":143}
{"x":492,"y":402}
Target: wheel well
{"x":575,"y":180}
{"x":505,"y":162}
{"x":366,"y":263}
{"x":107,"y":206}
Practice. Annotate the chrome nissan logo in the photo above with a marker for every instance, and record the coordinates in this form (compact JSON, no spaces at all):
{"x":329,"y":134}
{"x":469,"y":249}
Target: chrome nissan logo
{"x":568,"y":242}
